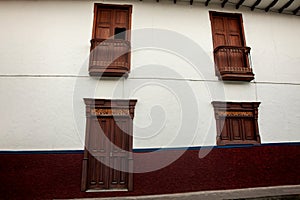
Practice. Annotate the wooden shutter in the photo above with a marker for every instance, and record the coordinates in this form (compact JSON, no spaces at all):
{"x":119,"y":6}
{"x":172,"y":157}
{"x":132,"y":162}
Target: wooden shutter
{"x":236,"y":122}
{"x":104,"y":23}
{"x":109,"y":19}
{"x":227,"y":30}
{"x":219,"y":31}
{"x":234,"y":31}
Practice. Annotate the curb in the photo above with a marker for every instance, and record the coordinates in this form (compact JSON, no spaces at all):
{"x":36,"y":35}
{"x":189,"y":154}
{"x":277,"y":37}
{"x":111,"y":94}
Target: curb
{"x":276,"y":192}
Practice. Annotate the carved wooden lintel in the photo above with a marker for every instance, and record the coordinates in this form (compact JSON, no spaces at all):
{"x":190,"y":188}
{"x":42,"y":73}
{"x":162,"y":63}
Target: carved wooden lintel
{"x":234,"y":114}
{"x":109,"y":112}
{"x":110,"y":107}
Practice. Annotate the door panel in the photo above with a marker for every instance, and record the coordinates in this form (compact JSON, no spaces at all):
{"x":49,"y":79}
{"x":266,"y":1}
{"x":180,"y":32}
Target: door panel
{"x":109,"y":20}
{"x":234,"y":32}
{"x":103,"y":32}
{"x":98,"y":154}
{"x":220,"y":39}
{"x":219,"y":24}
{"x":121,"y":18}
{"x":249,"y":129}
{"x":234,"y":40}
{"x":104,"y":16}
{"x":236,"y":130}
{"x":108,"y":145}
{"x":219,"y":35}
{"x":225,"y":132}
{"x":97,"y":172}
{"x":119,"y":152}
{"x":104,"y":23}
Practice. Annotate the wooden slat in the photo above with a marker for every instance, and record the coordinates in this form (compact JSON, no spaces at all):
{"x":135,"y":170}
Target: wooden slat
{"x":224,"y":2}
{"x":255,"y":4}
{"x":207,"y":2}
{"x":239,"y":4}
{"x":271,"y":5}
{"x":285,"y":6}
{"x":296,"y":10}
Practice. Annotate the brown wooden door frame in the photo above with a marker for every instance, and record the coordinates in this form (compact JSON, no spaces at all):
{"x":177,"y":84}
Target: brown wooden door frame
{"x":103,"y":108}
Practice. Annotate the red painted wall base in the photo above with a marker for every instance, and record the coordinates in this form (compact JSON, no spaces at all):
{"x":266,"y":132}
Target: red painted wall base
{"x":48,"y":176}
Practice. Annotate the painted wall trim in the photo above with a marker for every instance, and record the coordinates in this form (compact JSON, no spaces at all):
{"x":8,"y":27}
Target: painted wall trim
{"x":217,"y":147}
{"x":143,"y":150}
{"x":43,"y":152}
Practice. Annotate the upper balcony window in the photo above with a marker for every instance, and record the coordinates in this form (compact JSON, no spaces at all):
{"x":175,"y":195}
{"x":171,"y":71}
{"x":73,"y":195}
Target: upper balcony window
{"x":110,"y":45}
{"x":230,"y":51}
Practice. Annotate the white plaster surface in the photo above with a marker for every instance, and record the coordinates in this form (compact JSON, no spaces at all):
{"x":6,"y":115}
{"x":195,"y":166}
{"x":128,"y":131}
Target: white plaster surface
{"x":44,"y":75}
{"x":279,"y":115}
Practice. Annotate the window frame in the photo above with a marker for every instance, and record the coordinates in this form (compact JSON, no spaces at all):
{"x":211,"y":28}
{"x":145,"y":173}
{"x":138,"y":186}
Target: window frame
{"x":112,"y":6}
{"x":108,"y":67}
{"x":232,"y":75}
{"x":238,"y":110}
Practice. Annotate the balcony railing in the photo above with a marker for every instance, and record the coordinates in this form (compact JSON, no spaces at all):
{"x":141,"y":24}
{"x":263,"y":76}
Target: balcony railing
{"x":109,"y":57}
{"x":233,"y":63}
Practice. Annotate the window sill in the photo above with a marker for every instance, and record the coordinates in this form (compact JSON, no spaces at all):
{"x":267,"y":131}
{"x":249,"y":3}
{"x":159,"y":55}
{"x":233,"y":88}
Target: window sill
{"x":237,"y":142}
{"x":107,"y":190}
{"x":99,"y":71}
{"x":235,"y":76}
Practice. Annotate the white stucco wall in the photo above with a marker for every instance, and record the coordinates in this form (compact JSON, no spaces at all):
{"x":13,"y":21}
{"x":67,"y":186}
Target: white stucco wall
{"x":44,"y":77}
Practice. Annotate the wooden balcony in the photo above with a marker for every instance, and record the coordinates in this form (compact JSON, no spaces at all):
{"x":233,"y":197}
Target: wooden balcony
{"x":232,"y":63}
{"x":109,"y":57}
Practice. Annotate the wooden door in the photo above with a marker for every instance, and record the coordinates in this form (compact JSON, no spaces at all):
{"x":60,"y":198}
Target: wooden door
{"x":108,"y":159}
{"x":111,"y":21}
{"x":227,"y":31}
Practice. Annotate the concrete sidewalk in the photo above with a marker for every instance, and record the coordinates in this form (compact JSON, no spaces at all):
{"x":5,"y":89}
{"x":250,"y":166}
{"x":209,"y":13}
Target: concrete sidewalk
{"x":261,"y":193}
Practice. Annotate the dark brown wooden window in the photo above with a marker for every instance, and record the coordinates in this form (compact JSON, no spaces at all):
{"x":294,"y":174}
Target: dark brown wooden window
{"x":108,"y":158}
{"x":236,"y":122}
{"x":110,"y":44}
{"x":230,"y":51}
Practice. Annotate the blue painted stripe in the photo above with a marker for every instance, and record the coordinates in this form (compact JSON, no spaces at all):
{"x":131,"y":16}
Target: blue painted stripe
{"x":44,"y":152}
{"x":191,"y":148}
{"x":142,"y":150}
